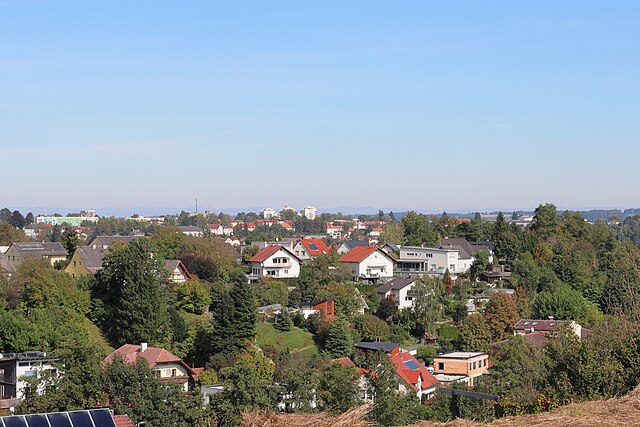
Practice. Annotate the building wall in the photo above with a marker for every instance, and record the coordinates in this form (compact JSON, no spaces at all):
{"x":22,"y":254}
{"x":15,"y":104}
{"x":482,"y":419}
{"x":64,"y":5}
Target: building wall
{"x":462,"y":366}
{"x":76,"y":266}
{"x":290,"y":269}
{"x":301,"y":252}
{"x":380,"y":266}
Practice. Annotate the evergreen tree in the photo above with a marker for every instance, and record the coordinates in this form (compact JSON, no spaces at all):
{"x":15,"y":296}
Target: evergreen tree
{"x":29,"y":219}
{"x":245,"y":312}
{"x":17,"y":220}
{"x":69,"y":240}
{"x":234,"y":320}
{"x":340,"y":341}
{"x":131,"y":291}
{"x":283,"y":321}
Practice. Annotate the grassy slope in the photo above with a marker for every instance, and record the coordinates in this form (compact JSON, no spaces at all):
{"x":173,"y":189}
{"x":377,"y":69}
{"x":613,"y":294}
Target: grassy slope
{"x":295,"y":340}
{"x":95,"y":337}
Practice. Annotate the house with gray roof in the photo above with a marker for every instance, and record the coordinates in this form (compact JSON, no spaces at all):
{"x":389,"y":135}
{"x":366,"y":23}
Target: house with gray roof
{"x":18,"y":252}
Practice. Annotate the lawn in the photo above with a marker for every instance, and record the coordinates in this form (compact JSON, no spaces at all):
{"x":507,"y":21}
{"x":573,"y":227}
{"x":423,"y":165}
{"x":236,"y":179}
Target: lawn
{"x":294,"y":340}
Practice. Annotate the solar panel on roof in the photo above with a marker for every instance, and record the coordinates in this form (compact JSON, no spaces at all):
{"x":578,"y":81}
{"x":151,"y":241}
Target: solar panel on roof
{"x":102,"y":418}
{"x":37,"y":420}
{"x":16,"y":421}
{"x":80,"y":419}
{"x":59,"y":419}
{"x":411,"y":365}
{"x":313,"y":246}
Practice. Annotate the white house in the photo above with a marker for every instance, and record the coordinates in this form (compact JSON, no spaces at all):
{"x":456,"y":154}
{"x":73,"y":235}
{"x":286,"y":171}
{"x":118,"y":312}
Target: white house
{"x":419,"y":260}
{"x":216,"y":229}
{"x":368,"y":263}
{"x":191,"y":230}
{"x":398,"y":290}
{"x":14,"y":367}
{"x":309,"y":248}
{"x":274,"y":261}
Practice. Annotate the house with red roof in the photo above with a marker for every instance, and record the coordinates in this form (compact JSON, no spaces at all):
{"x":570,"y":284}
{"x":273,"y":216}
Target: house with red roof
{"x":369,"y":264}
{"x":167,"y":366}
{"x":415,"y":376}
{"x":274,"y":261}
{"x":306,"y":249}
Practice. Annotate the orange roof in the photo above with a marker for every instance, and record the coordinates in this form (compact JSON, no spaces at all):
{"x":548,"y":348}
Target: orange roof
{"x":264,"y":254}
{"x":153,"y":355}
{"x":315,"y":247}
{"x":404,"y":362}
{"x":123,"y":421}
{"x":358,"y":254}
{"x":345,"y":361}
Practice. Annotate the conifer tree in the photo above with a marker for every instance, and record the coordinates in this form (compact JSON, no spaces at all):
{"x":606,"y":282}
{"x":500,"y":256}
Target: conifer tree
{"x":339,"y":340}
{"x":131,"y":290}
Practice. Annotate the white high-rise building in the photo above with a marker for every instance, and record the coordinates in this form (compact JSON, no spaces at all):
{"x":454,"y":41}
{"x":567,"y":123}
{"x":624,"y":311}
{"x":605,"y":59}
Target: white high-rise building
{"x":309,"y":212}
{"x":268,"y":213}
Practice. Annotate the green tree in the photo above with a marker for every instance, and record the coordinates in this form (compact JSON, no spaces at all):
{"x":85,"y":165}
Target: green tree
{"x":340,"y":340}
{"x":475,"y":334}
{"x":8,"y":234}
{"x":480,"y":263}
{"x":391,"y":407}
{"x":372,"y":328}
{"x":17,"y":220}
{"x":69,"y":240}
{"x":417,"y":230}
{"x":249,"y":252}
{"x":283,"y":321}
{"x":387,"y":309}
{"x":130,"y":295}
{"x":545,"y":220}
{"x":234,"y":320}
{"x":244,"y":389}
{"x":565,"y":304}
{"x":29,"y":219}
{"x":192,"y":296}
{"x":337,"y":388}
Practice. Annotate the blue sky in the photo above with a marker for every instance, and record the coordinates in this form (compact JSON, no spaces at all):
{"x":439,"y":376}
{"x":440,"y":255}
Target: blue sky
{"x":424,"y":105}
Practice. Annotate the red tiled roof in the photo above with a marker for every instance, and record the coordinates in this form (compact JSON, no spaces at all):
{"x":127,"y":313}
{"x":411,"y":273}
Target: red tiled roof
{"x":358,"y":254}
{"x":410,"y":376}
{"x":320,"y":245}
{"x":345,"y":361}
{"x":153,"y":355}
{"x":264,"y":254}
{"x":123,"y":421}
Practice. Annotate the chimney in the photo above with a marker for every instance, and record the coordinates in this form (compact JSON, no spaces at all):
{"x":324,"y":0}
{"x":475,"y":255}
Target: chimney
{"x":143,"y":347}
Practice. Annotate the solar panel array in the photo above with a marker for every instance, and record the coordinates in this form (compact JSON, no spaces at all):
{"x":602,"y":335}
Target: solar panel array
{"x":90,"y":418}
{"x":411,"y":365}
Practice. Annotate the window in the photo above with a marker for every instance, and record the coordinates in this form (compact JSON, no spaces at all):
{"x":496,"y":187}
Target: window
{"x":485,"y":362}
{"x":74,"y":263}
{"x":408,"y":298}
{"x":474,"y":365}
{"x":174,"y":372}
{"x":286,"y":272}
{"x":440,"y":366}
{"x":452,"y":267}
{"x":470,"y":366}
